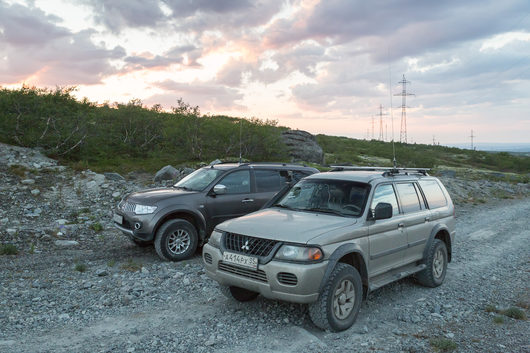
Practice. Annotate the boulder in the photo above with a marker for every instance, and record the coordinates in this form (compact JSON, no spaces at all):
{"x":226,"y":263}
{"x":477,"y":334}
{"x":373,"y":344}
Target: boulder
{"x":302,"y":146}
{"x":167,"y":173}
{"x":114,"y":176}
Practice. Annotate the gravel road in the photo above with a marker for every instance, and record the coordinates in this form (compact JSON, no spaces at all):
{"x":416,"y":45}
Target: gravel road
{"x":127,"y":300}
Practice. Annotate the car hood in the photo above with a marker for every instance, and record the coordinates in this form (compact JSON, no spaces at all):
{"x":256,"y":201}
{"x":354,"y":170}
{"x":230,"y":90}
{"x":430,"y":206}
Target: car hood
{"x":152,"y":196}
{"x":286,"y":225}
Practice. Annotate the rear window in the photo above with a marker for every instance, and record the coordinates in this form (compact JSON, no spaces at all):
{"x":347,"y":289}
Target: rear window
{"x":433,"y":193}
{"x":268,"y":180}
{"x":408,"y":197}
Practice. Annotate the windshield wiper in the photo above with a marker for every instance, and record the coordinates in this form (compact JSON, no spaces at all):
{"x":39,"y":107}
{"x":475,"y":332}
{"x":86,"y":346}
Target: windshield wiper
{"x":286,"y":207}
{"x":325,"y":210}
{"x":282,"y":206}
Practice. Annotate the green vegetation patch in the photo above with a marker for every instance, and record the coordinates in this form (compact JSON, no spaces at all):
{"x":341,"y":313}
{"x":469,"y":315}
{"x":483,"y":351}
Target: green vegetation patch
{"x":97,"y":227}
{"x":513,"y":312}
{"x":18,"y":170}
{"x":131,"y":265}
{"x":8,"y":249}
{"x":80,"y":267}
{"x":441,"y":344}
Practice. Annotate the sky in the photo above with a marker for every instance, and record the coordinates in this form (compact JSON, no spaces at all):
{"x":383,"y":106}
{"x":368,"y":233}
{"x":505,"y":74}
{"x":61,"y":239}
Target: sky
{"x":321,"y":66}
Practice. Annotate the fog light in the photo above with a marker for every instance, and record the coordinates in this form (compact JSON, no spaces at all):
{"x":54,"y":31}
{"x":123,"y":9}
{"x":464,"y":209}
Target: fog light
{"x":137,"y":225}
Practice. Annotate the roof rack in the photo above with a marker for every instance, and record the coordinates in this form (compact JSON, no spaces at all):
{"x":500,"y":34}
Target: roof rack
{"x":386,"y":170}
{"x":259,"y":163}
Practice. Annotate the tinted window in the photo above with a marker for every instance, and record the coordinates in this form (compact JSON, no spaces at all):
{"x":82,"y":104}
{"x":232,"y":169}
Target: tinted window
{"x":433,"y":193}
{"x":408,"y":198}
{"x":267,"y":180}
{"x":237,"y":182}
{"x":385,"y":193}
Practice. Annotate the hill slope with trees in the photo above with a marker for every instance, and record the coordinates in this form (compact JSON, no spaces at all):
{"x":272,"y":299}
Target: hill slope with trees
{"x":125,"y":137}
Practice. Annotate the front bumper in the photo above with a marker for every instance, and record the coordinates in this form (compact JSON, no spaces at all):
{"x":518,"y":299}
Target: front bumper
{"x":144,"y":233}
{"x":266,"y":280}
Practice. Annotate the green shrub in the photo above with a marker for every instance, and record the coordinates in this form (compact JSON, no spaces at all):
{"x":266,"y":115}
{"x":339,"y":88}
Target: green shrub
{"x":498,"y":319}
{"x":8,"y":249}
{"x":515,"y":313}
{"x":97,"y":227}
{"x":442,"y":344}
{"x":80,"y":267}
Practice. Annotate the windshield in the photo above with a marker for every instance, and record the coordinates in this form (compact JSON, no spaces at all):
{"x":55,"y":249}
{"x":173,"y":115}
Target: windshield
{"x":199,"y":179}
{"x":340,"y":197}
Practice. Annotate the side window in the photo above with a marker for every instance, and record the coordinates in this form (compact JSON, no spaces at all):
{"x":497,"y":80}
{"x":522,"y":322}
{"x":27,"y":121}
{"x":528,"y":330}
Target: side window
{"x":237,"y":182}
{"x":267,"y":180}
{"x":408,"y":197}
{"x":385,"y":193}
{"x":433,"y":193}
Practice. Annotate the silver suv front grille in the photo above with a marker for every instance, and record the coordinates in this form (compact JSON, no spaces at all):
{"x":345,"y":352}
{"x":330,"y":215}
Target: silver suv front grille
{"x":127,"y":206}
{"x":248,"y":245}
{"x":258,"y":275}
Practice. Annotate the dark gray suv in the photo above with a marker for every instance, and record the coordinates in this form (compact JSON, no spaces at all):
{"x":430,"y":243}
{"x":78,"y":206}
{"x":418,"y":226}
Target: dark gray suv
{"x":179,"y":218}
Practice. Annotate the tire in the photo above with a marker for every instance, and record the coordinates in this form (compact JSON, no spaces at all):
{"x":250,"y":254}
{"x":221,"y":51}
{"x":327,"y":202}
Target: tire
{"x":176,"y":240}
{"x":434,"y":274}
{"x":141,"y":243}
{"x":344,"y":285}
{"x":239,"y":294}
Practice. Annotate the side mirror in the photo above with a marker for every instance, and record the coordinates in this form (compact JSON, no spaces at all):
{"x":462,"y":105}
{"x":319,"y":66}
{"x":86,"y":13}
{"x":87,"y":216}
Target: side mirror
{"x":219,"y":189}
{"x":383,"y":210}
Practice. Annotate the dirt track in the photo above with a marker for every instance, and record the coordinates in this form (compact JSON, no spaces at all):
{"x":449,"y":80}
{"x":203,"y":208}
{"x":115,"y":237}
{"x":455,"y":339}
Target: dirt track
{"x":48,"y":306}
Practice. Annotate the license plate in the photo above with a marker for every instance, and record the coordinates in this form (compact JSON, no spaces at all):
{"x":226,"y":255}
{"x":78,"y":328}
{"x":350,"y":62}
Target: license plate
{"x":118,"y":218}
{"x":241,"y":260}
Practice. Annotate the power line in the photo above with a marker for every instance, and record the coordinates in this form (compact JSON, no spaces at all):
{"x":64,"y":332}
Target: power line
{"x":472,"y":136}
{"x":381,"y":137}
{"x":403,"y":94}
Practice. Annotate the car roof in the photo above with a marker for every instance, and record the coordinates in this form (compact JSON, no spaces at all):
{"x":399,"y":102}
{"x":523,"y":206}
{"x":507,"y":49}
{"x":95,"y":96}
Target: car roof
{"x":364,"y":176}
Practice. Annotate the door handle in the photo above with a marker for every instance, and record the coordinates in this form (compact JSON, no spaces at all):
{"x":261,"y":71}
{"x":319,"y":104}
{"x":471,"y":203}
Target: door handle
{"x":401,"y":225}
{"x":247,"y":200}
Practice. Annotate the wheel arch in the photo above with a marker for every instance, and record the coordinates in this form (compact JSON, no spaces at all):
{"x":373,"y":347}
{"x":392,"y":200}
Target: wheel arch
{"x":197,"y":220}
{"x":350,"y":254}
{"x":440,"y":232}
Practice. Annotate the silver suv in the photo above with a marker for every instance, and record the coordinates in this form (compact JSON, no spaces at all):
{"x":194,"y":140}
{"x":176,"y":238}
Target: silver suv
{"x":334,"y":237}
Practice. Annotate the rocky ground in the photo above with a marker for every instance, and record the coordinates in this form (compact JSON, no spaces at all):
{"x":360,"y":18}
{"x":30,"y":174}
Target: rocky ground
{"x":78,"y":285}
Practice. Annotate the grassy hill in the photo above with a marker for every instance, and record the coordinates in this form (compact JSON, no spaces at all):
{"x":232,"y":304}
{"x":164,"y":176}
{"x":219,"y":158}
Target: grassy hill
{"x":125,"y":137}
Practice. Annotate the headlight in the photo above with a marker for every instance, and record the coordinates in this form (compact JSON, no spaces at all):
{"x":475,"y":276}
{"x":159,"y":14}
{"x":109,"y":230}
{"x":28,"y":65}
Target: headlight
{"x":215,"y":238}
{"x":299,"y":253}
{"x":144,"y":209}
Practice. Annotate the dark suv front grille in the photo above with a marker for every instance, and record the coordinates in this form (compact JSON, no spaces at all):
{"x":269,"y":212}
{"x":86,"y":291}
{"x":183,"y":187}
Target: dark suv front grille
{"x":248,"y":245}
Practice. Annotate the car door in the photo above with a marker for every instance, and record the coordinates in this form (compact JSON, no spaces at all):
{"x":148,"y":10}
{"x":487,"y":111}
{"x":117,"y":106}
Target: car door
{"x":387,"y":237}
{"x":236,"y":202}
{"x":268,"y":182}
{"x":416,"y":220}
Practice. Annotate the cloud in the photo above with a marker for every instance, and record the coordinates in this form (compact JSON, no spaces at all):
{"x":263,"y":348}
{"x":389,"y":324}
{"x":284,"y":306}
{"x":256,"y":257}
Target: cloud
{"x":55,"y":56}
{"x":208,"y":96}
{"x":119,"y":14}
{"x":21,"y":25}
{"x":402,"y":28}
{"x":173,"y":56}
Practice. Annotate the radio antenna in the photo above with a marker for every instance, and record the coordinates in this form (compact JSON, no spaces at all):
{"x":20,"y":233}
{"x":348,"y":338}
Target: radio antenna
{"x":391,"y":112}
{"x":240,"y":128}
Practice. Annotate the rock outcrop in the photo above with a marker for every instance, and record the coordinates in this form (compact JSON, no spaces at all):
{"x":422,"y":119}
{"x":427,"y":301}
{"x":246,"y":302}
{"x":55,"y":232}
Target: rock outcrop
{"x":302,"y":146}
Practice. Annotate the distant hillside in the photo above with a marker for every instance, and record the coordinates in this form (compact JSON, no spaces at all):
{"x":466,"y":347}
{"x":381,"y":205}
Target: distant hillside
{"x":125,"y":137}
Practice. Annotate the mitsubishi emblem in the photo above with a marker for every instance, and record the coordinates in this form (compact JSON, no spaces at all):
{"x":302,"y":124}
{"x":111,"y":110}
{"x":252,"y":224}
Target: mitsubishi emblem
{"x":245,"y":247}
